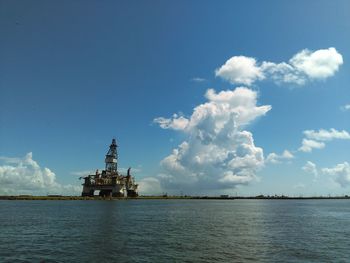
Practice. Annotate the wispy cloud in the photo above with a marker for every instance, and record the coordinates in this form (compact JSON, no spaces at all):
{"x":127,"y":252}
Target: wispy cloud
{"x":197,"y":79}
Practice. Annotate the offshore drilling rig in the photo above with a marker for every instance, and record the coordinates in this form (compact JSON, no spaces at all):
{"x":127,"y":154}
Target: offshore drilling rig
{"x":110,"y":182}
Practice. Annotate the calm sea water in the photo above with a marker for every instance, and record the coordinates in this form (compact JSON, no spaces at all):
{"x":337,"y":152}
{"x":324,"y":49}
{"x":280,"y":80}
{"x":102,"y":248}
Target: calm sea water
{"x":175,"y":231}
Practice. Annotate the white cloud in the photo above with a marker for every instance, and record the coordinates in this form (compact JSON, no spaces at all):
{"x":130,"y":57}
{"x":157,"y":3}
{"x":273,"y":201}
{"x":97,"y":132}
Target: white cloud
{"x":149,"y":186}
{"x":283,"y":73}
{"x":197,"y":79}
{"x":346,"y":107}
{"x":311,"y":168}
{"x":309,"y":145}
{"x":316,"y":139}
{"x":241,"y":70}
{"x":324,"y":135}
{"x":25,"y":176}
{"x":217,"y":153}
{"x":240,"y":104}
{"x":340,"y":173}
{"x":276,"y":158}
{"x":321,"y":64}
{"x":175,"y":123}
{"x":304,"y":66}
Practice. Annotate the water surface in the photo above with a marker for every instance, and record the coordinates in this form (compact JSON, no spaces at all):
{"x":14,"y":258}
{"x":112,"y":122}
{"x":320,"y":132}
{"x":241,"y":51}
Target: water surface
{"x":175,"y":231}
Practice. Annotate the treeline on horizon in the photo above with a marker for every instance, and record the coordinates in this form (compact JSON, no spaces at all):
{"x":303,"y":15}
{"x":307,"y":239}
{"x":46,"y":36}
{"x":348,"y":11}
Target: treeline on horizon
{"x":165,"y":196}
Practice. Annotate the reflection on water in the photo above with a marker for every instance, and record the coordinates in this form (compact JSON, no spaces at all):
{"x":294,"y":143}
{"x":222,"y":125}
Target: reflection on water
{"x":175,"y":231}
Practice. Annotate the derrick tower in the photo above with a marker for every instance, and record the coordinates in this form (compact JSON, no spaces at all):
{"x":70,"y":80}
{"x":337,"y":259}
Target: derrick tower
{"x":111,"y":159}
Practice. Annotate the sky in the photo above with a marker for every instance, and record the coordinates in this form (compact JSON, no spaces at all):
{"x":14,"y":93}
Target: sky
{"x":203,"y":97}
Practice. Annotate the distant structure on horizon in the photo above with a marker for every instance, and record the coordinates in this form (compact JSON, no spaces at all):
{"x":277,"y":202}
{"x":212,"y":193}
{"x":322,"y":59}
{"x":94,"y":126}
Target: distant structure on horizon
{"x":110,"y":182}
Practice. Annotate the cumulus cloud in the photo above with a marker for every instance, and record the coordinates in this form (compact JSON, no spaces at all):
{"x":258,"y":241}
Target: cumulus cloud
{"x":25,"y":176}
{"x":321,"y":64}
{"x":149,"y":186}
{"x":309,"y":145}
{"x":240,"y":69}
{"x":340,"y":173}
{"x":315,"y":139}
{"x":277,"y":158}
{"x":324,"y":135}
{"x":304,"y":66}
{"x":311,"y":168}
{"x":218,"y":153}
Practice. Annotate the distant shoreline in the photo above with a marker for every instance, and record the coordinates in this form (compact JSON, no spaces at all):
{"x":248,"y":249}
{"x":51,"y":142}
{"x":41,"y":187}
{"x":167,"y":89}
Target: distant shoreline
{"x":59,"y":197}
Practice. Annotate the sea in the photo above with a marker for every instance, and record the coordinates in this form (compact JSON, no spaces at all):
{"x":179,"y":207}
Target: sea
{"x":175,"y":231}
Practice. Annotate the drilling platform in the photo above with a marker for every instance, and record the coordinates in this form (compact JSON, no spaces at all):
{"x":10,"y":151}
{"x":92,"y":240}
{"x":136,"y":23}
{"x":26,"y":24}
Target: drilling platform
{"x":110,"y":182}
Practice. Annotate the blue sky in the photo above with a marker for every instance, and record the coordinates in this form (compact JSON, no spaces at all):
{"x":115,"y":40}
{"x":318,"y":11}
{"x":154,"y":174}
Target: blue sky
{"x":75,"y":74}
